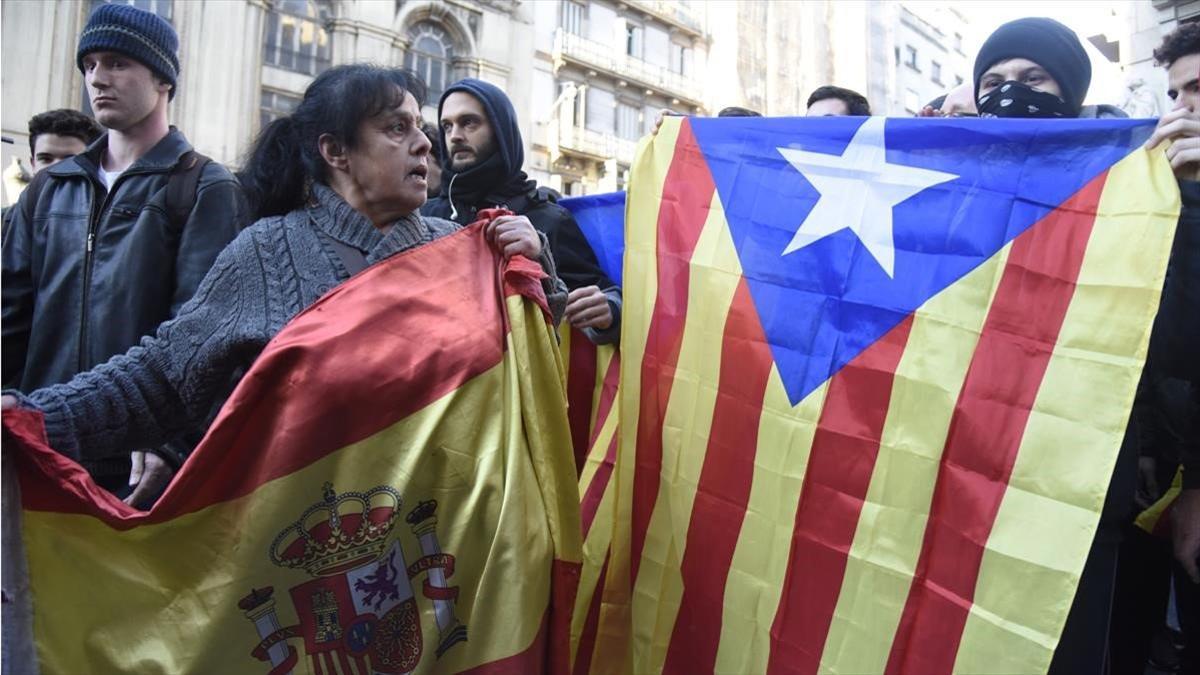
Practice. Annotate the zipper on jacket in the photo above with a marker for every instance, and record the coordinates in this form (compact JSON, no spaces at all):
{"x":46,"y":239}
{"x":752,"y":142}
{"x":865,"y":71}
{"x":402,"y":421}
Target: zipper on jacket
{"x":88,"y":263}
{"x":89,"y":246}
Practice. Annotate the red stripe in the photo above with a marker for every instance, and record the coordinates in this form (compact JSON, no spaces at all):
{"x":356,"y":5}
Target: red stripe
{"x":590,"y":503}
{"x":608,"y":394}
{"x":587,"y":639}
{"x":1003,"y":380}
{"x":330,"y":363}
{"x":595,"y":489}
{"x":723,"y":490}
{"x":581,"y":387}
{"x":841,"y":462}
{"x":687,"y":196}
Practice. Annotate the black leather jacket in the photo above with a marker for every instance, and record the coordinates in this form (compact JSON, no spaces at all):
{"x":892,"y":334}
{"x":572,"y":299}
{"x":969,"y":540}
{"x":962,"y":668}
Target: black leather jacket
{"x":87,"y":273}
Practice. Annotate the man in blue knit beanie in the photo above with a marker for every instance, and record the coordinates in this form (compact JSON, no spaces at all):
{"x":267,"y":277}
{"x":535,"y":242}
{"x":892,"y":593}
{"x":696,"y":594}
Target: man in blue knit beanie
{"x":110,"y":243}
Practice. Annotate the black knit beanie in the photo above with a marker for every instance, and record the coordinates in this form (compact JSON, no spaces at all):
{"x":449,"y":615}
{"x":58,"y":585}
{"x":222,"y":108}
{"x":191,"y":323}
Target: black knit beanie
{"x":1047,"y":43}
{"x":138,"y":34}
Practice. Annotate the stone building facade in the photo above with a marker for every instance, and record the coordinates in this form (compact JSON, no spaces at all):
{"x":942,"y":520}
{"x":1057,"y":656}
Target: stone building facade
{"x":574,"y":70}
{"x":586,"y":77}
{"x":1144,"y":26}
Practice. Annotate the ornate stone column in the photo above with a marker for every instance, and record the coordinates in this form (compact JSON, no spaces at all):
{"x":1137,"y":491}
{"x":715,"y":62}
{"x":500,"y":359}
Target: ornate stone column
{"x":220,"y":54}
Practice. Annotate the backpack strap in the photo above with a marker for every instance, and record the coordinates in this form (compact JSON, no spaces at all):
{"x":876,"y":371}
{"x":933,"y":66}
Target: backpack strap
{"x":182,"y":184}
{"x":35,"y":192}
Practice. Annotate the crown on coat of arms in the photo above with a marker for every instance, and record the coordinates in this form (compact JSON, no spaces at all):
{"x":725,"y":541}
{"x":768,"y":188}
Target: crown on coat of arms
{"x":340,"y":532}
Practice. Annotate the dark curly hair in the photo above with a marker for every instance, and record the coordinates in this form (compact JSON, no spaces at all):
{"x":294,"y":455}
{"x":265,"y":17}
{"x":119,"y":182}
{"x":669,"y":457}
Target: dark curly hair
{"x":856,"y":103}
{"x":1183,"y":41}
{"x":63,"y":122}
{"x":285,"y":156}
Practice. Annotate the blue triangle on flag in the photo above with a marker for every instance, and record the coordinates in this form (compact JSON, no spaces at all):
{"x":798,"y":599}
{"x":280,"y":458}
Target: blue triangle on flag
{"x":822,"y":304}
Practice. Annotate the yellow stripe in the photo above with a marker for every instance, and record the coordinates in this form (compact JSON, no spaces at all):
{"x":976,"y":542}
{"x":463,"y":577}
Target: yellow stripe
{"x":604,"y":357}
{"x":1048,"y":516}
{"x":596,"y":453}
{"x":1148,"y":520}
{"x":891,"y":528}
{"x":714,"y":277}
{"x":642,"y":203}
{"x":759,"y":564}
{"x":595,"y":547}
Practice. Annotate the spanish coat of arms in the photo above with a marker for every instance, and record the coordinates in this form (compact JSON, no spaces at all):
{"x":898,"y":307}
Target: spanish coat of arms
{"x":358,"y":614}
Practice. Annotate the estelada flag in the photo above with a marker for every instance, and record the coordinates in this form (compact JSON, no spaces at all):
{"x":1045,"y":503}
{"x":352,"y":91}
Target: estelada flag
{"x":874,"y":378}
{"x":388,"y":490}
{"x":593,"y":373}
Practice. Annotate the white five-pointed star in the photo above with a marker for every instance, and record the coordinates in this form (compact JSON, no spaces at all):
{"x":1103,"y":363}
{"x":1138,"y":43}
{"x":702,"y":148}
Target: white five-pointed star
{"x":858,"y":190}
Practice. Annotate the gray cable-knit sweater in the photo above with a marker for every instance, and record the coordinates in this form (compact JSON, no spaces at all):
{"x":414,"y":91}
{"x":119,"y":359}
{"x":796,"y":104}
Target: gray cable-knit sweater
{"x":169,"y":386}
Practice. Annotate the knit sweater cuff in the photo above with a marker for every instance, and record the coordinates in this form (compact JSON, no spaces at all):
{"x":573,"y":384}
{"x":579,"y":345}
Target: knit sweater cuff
{"x":60,"y":428}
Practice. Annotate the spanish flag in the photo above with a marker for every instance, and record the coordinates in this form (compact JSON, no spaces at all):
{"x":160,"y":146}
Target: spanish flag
{"x":874,"y":377}
{"x":389,"y":490}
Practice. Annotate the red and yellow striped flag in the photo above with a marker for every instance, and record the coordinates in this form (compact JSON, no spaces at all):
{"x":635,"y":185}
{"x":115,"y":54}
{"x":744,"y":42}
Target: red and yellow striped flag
{"x":388,"y":490}
{"x":874,"y":378}
{"x":592,"y":377}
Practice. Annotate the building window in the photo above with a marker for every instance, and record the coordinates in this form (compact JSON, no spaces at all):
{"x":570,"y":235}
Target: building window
{"x":681,"y":59}
{"x":601,"y":110}
{"x":627,"y":122}
{"x":431,"y":57}
{"x":958,"y":42}
{"x":958,"y":80}
{"x":276,"y":104}
{"x":571,"y":18}
{"x":935,"y":72}
{"x":296,"y":36}
{"x":910,"y":57}
{"x":912,"y":101}
{"x":162,"y":8}
{"x":633,"y":40}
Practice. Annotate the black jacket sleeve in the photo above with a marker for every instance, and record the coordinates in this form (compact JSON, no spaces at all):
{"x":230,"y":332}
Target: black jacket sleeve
{"x":18,"y":290}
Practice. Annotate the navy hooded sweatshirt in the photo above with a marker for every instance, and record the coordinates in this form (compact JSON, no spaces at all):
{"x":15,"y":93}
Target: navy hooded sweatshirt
{"x":498,"y":181}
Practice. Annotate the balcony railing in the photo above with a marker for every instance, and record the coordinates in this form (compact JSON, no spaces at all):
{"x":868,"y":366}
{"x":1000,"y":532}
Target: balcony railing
{"x":596,"y":144}
{"x":674,"y":12}
{"x":619,"y":64}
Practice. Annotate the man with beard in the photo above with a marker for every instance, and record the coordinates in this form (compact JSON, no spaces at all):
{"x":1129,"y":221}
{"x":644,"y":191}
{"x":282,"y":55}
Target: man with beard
{"x":482,"y":158}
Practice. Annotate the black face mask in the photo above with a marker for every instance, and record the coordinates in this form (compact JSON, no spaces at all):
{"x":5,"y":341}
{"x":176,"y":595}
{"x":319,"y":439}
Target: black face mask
{"x":1013,"y":99}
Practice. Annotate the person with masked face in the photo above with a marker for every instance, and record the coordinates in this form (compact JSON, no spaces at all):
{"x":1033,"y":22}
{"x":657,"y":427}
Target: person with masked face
{"x":482,"y":159}
{"x":1035,"y":67}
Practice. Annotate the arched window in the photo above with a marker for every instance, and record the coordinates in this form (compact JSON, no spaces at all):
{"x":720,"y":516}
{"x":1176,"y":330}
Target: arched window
{"x":430,"y":55}
{"x":296,"y":35}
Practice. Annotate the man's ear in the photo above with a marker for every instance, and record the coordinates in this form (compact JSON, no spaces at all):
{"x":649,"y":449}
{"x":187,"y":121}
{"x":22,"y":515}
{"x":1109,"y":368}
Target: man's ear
{"x":161,"y":85}
{"x":333,"y":151}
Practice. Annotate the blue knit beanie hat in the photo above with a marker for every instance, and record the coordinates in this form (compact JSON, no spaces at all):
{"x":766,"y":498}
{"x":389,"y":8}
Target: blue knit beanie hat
{"x":138,"y":34}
